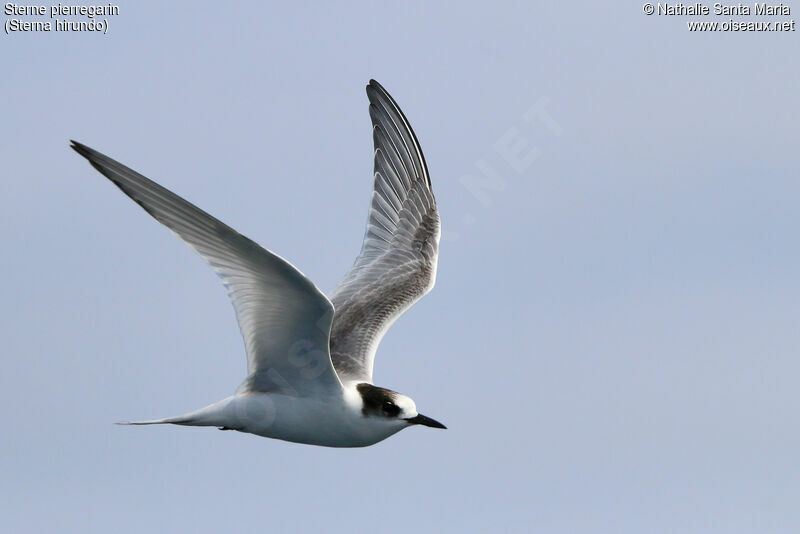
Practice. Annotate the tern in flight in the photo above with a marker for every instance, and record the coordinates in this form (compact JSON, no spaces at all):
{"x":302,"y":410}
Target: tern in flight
{"x":310,"y":357}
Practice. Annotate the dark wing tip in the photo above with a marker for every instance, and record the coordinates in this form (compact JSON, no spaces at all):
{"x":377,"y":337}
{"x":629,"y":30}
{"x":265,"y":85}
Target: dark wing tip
{"x":373,"y":84}
{"x":379,"y":96}
{"x":92,"y":156}
{"x":376,"y":91}
{"x":80,"y":148}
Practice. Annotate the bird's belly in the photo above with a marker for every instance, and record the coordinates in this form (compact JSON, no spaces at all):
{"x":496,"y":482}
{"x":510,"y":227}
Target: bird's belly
{"x":302,"y":420}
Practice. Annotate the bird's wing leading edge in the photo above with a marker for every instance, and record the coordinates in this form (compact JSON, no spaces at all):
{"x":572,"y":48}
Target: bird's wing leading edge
{"x":285,"y":320}
{"x":397,"y":263}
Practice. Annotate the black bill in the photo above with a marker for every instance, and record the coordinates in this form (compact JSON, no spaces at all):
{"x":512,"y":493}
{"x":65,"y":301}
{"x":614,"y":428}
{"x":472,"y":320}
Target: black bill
{"x":424,"y":420}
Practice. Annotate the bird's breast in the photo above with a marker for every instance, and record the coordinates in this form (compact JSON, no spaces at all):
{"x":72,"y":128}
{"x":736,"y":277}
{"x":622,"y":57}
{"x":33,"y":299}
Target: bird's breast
{"x":331,"y":422}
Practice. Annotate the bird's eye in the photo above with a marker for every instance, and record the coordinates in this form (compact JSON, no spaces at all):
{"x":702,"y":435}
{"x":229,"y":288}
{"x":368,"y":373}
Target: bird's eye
{"x":390,"y":409}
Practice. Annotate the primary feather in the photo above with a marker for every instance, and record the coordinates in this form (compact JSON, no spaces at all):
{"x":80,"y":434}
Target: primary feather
{"x":397,"y":263}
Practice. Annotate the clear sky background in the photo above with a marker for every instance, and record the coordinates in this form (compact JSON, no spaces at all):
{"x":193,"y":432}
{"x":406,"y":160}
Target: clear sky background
{"x":613,"y":338}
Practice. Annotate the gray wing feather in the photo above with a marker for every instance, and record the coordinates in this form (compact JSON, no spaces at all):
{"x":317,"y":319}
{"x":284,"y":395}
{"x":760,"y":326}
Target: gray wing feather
{"x":284,"y":319}
{"x":397,"y":263}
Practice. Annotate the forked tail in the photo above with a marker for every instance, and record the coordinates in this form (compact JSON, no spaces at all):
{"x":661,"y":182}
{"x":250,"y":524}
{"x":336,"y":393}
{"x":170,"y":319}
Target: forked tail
{"x":180,"y":420}
{"x":212,"y":415}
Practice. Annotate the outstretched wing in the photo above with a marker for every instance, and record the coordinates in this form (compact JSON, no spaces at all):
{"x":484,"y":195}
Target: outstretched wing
{"x":397,"y":263}
{"x":285,"y":320}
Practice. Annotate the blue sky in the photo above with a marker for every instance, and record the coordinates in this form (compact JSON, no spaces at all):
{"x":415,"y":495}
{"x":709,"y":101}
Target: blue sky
{"x":613,"y":337}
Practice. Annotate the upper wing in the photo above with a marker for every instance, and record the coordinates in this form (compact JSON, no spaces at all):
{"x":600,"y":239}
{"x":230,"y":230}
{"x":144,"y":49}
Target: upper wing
{"x":285,"y":320}
{"x":397,"y":263}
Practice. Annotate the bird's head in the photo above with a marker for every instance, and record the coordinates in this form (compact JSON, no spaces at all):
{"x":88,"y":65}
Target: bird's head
{"x":392,"y":407}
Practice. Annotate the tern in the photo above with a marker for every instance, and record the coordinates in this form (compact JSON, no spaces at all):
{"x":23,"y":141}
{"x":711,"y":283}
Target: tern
{"x":310,"y":357}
